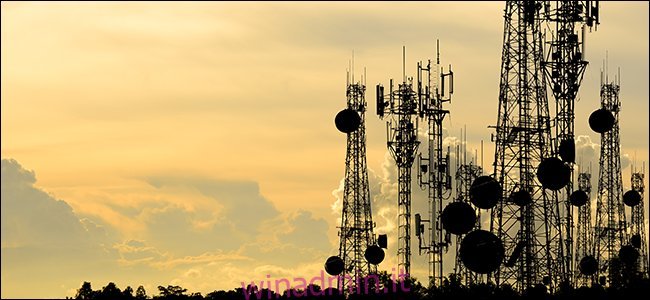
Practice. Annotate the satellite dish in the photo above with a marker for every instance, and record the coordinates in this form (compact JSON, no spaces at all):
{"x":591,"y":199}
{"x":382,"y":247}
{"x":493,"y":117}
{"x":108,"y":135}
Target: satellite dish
{"x":485,"y":192}
{"x":631,"y":198}
{"x":334,"y":265}
{"x":458,"y":218}
{"x":347,"y":121}
{"x":578,"y":198}
{"x":481,"y":251}
{"x":601,"y":120}
{"x":553,"y":173}
{"x":567,"y":151}
{"x":374,"y":254}
{"x":521,"y":198}
{"x":628,"y":254}
{"x":588,"y":265}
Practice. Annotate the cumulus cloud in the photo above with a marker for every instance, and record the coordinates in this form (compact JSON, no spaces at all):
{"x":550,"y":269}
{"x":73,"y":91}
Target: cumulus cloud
{"x":30,"y":215}
{"x":588,"y":158}
{"x":384,"y":191}
{"x":239,"y":235}
{"x":42,"y":237}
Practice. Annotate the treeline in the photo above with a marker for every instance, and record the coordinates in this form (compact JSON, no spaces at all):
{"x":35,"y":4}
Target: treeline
{"x":412,"y":289}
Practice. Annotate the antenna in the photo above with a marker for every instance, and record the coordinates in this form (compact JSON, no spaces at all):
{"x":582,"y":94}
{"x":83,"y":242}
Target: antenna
{"x":482,"y":167}
{"x":465,"y":146}
{"x":364,"y":76}
{"x":347,"y":71}
{"x":404,"y":62}
{"x":584,"y":41}
{"x":437,"y":51}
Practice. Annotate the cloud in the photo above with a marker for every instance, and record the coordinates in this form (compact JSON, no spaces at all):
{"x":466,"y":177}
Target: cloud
{"x":587,"y":153}
{"x":237,"y":232}
{"x":384,"y":192}
{"x":44,"y":243}
{"x":30,"y":215}
{"x":243,"y":205}
{"x":588,"y":158}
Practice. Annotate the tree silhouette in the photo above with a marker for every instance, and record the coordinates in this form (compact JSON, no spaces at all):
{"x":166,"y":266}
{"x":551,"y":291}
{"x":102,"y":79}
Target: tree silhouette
{"x":127,"y":293}
{"x":110,"y":292}
{"x":85,"y":292}
{"x":409,"y":288}
{"x":140,"y":293}
{"x":171,"y":292}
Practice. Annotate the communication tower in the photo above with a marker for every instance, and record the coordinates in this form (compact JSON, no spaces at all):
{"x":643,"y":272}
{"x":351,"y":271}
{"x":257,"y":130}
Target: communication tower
{"x":435,"y":87}
{"x":610,"y":230}
{"x":401,"y":106}
{"x":565,"y":66}
{"x":466,"y":173}
{"x":634,"y":198}
{"x":526,"y":218}
{"x":584,"y":254}
{"x":359,"y":253}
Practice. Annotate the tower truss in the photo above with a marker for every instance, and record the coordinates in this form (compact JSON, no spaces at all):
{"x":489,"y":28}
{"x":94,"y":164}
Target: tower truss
{"x":584,"y":230}
{"x":531,"y":233}
{"x":637,"y":224}
{"x":466,"y":173}
{"x":610,"y":227}
{"x":402,"y":109}
{"x":565,"y":66}
{"x":356,"y":231}
{"x":434,"y":88}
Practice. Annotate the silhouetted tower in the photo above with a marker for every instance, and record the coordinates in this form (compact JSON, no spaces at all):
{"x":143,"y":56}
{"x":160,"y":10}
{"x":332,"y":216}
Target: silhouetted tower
{"x":565,"y":66}
{"x":584,"y":231}
{"x":466,"y":173}
{"x":637,"y":225}
{"x":402,"y":106}
{"x":527,"y":218}
{"x":434,"y":88}
{"x":358,"y":250}
{"x":610,"y":227}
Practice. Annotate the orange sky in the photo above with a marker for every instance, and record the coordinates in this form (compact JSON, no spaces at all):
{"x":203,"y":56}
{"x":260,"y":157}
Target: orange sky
{"x":127,"y":111}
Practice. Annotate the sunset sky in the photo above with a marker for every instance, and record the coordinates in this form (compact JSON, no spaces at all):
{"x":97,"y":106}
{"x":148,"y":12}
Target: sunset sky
{"x":193,"y":144}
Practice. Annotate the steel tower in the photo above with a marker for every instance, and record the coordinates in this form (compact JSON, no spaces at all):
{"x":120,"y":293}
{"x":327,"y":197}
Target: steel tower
{"x":434,"y":167}
{"x":584,"y":230}
{"x":565,"y":66}
{"x":637,"y":224}
{"x":466,"y":173}
{"x":610,"y":227}
{"x":356,"y":231}
{"x":529,"y":224}
{"x":402,"y":107}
